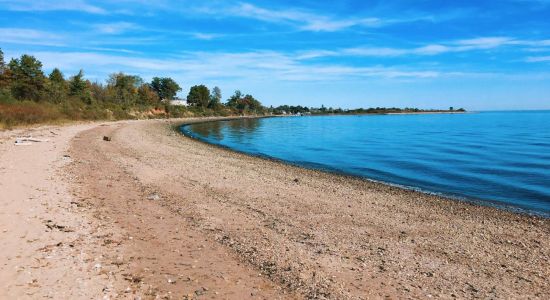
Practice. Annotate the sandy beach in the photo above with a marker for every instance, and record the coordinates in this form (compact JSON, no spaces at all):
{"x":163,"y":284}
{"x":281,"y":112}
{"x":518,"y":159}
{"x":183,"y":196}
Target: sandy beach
{"x":153,"y":214}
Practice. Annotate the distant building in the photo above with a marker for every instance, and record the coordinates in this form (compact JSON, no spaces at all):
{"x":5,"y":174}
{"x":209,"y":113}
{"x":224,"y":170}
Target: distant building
{"x":178,"y":102}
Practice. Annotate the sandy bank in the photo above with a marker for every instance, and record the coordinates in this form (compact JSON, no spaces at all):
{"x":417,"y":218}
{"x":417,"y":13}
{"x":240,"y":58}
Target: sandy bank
{"x":179,"y":218}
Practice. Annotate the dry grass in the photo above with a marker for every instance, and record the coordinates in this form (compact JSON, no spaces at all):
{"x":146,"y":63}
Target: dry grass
{"x":28,"y":113}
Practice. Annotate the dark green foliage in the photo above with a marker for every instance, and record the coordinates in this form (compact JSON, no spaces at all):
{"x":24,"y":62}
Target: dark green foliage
{"x":245,"y":104}
{"x":124,"y":88}
{"x":233,"y":101}
{"x":56,"y":88}
{"x":4,"y":74}
{"x":56,"y":76}
{"x":215,"y":98}
{"x":27,"y":79}
{"x":77,"y":85}
{"x":199,"y":95}
{"x":2,"y":62}
{"x":166,"y":88}
{"x":27,"y":96}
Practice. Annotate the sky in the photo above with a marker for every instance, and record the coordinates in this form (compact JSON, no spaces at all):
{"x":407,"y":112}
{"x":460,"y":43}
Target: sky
{"x":480,"y":55}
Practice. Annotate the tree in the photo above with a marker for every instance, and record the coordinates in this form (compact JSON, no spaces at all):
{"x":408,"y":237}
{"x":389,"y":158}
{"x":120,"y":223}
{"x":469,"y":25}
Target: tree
{"x":215,"y":98}
{"x":77,"y":85}
{"x":244,"y":103}
{"x":124,"y":88}
{"x":147,"y":95}
{"x":27,"y":78}
{"x":57,"y":88}
{"x":199,"y":95}
{"x":2,"y":63}
{"x":166,"y":88}
{"x":56,"y":76}
{"x":4,"y":73}
{"x":234,"y":100}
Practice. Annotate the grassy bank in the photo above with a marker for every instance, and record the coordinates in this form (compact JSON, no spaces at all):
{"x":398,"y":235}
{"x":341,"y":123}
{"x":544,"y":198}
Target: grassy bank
{"x":25,"y":113}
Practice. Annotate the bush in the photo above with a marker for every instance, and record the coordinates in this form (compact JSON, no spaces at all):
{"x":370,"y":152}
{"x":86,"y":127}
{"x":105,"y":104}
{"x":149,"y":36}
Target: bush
{"x":27,"y":113}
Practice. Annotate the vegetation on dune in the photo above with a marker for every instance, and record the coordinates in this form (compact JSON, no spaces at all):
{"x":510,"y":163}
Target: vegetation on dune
{"x":28,"y":96}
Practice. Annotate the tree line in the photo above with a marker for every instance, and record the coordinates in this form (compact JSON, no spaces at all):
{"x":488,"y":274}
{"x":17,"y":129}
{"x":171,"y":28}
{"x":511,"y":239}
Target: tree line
{"x":304,"y":110}
{"x":26,"y":89}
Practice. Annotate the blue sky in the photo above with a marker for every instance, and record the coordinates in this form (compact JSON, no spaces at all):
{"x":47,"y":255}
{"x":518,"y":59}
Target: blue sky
{"x":480,"y":55}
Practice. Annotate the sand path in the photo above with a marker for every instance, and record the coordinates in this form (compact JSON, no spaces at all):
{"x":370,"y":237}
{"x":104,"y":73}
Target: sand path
{"x":46,"y":241}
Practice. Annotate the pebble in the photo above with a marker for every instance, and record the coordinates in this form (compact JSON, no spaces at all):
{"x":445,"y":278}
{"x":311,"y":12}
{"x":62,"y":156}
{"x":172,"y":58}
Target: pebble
{"x":153,"y":197}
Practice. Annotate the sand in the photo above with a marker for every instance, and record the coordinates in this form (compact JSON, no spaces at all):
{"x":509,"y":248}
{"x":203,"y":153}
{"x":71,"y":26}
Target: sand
{"x":152,"y":214}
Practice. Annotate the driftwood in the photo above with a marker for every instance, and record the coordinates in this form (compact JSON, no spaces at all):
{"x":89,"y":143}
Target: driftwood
{"x":28,"y":140}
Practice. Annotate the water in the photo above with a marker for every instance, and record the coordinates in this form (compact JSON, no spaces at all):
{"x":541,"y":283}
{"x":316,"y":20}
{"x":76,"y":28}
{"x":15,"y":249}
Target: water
{"x":497,"y":158}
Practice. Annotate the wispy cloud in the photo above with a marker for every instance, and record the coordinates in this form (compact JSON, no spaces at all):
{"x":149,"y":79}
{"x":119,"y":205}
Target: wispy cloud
{"x":304,"y":20}
{"x":115,"y":28}
{"x":46,"y":5}
{"x":477,"y":44}
{"x":533,"y":59}
{"x":30,"y":37}
{"x":197,"y":66}
{"x":204,"y":36}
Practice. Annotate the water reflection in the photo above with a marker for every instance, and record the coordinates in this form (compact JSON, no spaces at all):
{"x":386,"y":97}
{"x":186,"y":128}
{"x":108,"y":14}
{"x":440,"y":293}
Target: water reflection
{"x":209,"y":129}
{"x":242,"y":129}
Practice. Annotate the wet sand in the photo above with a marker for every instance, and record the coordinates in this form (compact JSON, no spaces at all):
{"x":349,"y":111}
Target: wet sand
{"x":172,"y":217}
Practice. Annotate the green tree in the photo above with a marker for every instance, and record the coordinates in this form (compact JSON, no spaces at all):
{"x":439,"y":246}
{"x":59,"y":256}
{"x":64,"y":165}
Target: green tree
{"x":27,"y":79}
{"x":124,"y":88}
{"x":199,"y":95}
{"x":2,"y":62}
{"x":77,"y":85}
{"x":57,"y":88}
{"x":4,"y":74}
{"x":215,"y":98}
{"x":165,"y":87}
{"x":233,"y":101}
{"x":56,"y":76}
{"x":245,"y":103}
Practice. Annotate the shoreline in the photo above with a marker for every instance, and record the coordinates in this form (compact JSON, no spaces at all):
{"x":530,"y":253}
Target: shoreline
{"x":462,"y":199}
{"x":174,"y":217}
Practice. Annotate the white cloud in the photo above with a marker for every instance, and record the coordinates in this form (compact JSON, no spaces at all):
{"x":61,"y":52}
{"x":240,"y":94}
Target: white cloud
{"x":431,"y":49}
{"x":205,"y":36}
{"x":305,"y":21}
{"x":538,"y":59}
{"x":47,"y":5}
{"x":115,"y":28}
{"x":484,"y":42}
{"x":477,"y":44}
{"x":202,"y":66}
{"x":30,"y":37}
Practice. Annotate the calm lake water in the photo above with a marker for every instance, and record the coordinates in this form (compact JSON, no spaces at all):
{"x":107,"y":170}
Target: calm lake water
{"x":497,"y":158}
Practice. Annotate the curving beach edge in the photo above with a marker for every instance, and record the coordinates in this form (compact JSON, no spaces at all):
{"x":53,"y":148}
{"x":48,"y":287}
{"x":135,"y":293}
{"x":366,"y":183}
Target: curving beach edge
{"x":151,"y":213}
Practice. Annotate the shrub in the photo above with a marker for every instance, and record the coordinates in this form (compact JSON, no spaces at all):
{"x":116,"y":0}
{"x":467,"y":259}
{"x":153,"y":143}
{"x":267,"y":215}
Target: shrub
{"x":27,"y":113}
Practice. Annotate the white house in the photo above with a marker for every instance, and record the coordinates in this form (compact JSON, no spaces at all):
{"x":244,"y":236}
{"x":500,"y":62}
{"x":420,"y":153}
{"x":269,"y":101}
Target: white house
{"x":179,"y":102}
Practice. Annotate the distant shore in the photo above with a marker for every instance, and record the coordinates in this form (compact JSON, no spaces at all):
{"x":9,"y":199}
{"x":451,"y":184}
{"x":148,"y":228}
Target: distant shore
{"x":173,"y":215}
{"x":428,"y":112}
